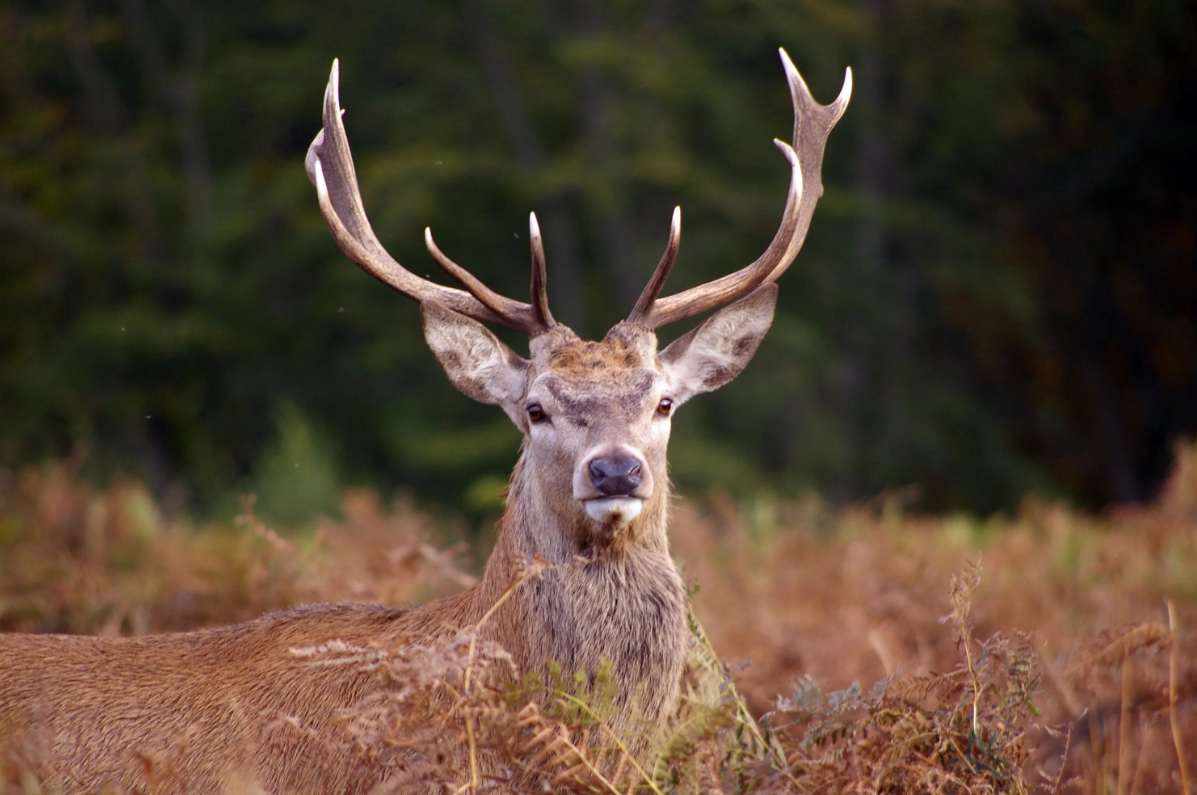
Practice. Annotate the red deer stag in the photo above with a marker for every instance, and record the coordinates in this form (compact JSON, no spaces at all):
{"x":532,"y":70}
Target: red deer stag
{"x":590,"y":493}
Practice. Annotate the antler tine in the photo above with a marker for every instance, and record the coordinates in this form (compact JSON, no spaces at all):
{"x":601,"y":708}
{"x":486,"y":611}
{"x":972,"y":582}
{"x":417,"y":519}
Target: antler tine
{"x":329,"y":165}
{"x":499,"y":304}
{"x":812,"y":124}
{"x":653,"y":288}
{"x":539,"y":290}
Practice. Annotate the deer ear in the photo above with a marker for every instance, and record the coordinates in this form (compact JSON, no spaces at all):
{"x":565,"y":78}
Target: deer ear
{"x":475,"y":360}
{"x":707,"y":357}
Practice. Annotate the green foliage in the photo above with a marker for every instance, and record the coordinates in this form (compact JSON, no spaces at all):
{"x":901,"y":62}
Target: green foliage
{"x":581,"y":698}
{"x":296,"y":477}
{"x":993,"y":300}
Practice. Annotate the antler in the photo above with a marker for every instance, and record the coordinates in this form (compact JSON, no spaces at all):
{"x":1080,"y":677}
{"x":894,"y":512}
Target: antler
{"x":329,"y":164}
{"x":812,"y":124}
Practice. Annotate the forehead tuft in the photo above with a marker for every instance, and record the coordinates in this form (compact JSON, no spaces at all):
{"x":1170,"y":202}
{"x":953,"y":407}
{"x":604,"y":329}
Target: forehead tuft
{"x":585,"y":358}
{"x":626,"y":347}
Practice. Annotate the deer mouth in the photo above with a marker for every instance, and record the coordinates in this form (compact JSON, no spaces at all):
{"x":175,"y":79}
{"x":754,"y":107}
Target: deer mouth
{"x":616,"y":510}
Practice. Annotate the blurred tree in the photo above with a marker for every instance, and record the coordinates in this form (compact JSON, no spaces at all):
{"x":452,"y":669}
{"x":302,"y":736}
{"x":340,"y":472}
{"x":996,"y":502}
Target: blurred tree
{"x":998,"y":292}
{"x":296,"y":477}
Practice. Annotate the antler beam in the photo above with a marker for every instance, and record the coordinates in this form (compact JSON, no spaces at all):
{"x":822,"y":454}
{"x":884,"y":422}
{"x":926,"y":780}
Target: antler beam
{"x":812,"y":124}
{"x":329,"y":164}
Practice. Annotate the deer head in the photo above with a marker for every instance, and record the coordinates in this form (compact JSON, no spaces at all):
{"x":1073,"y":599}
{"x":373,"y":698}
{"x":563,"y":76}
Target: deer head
{"x":595,"y":415}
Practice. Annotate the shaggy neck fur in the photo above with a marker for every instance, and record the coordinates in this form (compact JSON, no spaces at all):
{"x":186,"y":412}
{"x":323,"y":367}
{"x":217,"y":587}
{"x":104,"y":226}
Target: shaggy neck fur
{"x":617,"y":598}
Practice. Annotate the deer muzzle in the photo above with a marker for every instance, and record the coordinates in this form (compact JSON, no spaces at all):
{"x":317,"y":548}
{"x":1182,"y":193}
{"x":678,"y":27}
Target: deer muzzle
{"x":616,"y":477}
{"x":613,"y":484}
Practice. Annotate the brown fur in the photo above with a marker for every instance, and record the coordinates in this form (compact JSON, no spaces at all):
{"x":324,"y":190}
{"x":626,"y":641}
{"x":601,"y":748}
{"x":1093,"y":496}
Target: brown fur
{"x":236,"y":706}
{"x":586,"y":358}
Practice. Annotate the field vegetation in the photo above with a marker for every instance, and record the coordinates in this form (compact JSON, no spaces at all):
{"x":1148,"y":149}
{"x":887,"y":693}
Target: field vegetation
{"x":865,"y":649}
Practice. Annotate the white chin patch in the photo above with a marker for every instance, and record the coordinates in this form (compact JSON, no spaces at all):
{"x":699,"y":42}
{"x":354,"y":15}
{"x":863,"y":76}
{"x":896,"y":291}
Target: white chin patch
{"x":613,"y":510}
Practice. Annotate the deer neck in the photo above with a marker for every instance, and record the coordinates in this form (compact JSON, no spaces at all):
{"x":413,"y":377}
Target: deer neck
{"x":621,"y":602}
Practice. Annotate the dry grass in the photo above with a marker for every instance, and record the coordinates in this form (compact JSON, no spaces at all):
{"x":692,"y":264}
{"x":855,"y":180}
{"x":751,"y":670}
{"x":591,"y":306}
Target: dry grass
{"x":1108,"y":605}
{"x":1065,"y":664}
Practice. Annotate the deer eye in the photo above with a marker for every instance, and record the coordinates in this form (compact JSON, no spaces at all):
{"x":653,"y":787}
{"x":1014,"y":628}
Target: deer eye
{"x":536,"y":413}
{"x":665,"y":407}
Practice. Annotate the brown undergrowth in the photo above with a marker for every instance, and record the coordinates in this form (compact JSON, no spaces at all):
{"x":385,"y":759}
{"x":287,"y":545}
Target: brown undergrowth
{"x":1108,"y":604}
{"x":954,"y":732}
{"x":1065,"y":664}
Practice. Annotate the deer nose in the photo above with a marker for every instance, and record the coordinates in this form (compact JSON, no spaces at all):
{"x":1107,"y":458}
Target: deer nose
{"x":615,"y":477}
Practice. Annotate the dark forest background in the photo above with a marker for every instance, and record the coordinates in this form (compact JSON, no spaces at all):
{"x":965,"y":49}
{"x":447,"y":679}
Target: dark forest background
{"x":998,"y":296}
